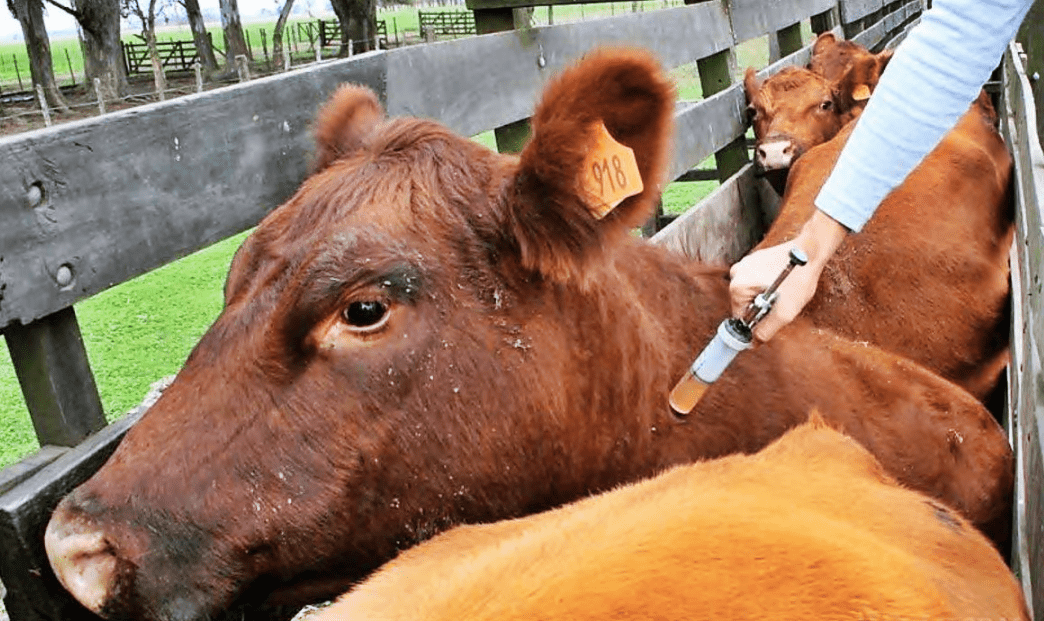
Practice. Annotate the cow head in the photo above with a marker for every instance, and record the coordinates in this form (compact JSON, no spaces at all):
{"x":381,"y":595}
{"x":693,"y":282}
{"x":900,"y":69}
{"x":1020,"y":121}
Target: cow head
{"x":389,"y":338}
{"x":831,"y":58}
{"x":797,"y":109}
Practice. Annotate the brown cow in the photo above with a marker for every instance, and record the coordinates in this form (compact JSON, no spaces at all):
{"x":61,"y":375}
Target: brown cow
{"x":938,"y":243}
{"x":429,"y":333}
{"x":797,"y":109}
{"x":832,"y":58}
{"x":809,"y":528}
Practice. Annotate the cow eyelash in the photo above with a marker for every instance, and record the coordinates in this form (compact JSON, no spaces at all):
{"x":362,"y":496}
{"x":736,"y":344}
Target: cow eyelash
{"x":366,"y":316}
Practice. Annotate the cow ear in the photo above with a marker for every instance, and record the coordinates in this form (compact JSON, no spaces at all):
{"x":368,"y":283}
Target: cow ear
{"x":343,"y":123}
{"x":860,"y":79}
{"x":596,"y":163}
{"x":751,"y":86}
{"x":824,"y":41}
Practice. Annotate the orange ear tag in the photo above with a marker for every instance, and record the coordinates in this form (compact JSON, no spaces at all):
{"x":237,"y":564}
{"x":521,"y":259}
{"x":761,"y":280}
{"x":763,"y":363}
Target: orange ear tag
{"x":610,"y":173}
{"x":861,"y":93}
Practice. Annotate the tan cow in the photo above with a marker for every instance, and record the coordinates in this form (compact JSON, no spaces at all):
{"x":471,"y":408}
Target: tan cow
{"x":809,"y":528}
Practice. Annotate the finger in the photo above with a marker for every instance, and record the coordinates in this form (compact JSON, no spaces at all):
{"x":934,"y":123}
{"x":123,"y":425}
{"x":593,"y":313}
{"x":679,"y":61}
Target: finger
{"x":767,"y":328}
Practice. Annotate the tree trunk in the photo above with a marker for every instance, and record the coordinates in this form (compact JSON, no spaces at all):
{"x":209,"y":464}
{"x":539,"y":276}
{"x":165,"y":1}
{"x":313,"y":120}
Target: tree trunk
{"x":30,"y":15}
{"x":358,"y":23}
{"x":277,"y":34}
{"x":235,"y":42}
{"x":200,"y":36}
{"x":102,"y":54}
{"x":158,"y":78}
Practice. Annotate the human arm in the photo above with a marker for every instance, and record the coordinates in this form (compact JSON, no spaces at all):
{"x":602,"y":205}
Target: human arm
{"x":929,"y":84}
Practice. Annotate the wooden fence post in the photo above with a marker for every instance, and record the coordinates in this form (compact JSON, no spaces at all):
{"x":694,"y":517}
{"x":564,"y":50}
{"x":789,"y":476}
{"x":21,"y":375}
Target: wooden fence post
{"x":286,"y":57}
{"x":827,"y":20}
{"x":198,"y":70}
{"x":716,"y":73}
{"x":52,"y":368}
{"x":99,"y":96}
{"x":784,"y":42}
{"x":1031,"y":36}
{"x":513,"y":136}
{"x":242,"y":68}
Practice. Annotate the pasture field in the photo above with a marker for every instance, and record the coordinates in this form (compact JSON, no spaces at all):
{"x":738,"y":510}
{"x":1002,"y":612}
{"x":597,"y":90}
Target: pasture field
{"x":403,"y":25}
{"x":142,"y":330}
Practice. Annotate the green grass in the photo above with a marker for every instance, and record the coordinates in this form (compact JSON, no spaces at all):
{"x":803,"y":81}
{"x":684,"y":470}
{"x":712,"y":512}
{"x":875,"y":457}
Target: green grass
{"x":135,"y":333}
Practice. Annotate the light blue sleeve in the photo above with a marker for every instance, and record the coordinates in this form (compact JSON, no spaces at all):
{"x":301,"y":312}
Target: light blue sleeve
{"x":934,"y":76}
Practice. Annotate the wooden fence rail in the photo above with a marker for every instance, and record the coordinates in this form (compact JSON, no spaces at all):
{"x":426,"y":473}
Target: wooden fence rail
{"x":1025,"y":377}
{"x":88,"y":205}
{"x":174,"y":55}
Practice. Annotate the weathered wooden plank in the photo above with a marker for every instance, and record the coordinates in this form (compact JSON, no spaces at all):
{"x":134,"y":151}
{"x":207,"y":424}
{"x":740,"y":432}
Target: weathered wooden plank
{"x":827,"y":20}
{"x":22,"y":470}
{"x":55,"y":376}
{"x":90,"y":204}
{"x":753,"y":18}
{"x":1018,"y":123}
{"x":1031,"y":36}
{"x":462,"y":82}
{"x":1020,"y":557}
{"x":872,"y":36}
{"x":708,"y":126}
{"x":721,"y":228}
{"x":893,"y":19}
{"x":512,"y":137}
{"x":853,"y":10}
{"x":33,"y":591}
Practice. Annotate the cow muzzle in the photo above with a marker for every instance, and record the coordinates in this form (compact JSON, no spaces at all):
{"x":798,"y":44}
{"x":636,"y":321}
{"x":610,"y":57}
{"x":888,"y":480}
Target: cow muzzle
{"x":82,"y":558}
{"x":775,"y":154}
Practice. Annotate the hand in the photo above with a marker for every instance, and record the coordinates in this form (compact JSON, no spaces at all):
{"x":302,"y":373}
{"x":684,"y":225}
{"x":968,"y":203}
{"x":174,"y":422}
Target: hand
{"x":819,"y":238}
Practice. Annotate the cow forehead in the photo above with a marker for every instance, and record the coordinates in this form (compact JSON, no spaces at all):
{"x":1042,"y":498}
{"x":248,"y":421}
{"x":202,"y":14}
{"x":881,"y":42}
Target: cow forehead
{"x":792,"y":82}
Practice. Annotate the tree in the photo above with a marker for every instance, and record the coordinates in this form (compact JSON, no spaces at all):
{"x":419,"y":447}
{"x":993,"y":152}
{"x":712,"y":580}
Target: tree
{"x":29,"y":14}
{"x":235,"y":42}
{"x":99,"y":22}
{"x":358,"y":20}
{"x":277,"y":33}
{"x":200,"y":36}
{"x":147,"y":18}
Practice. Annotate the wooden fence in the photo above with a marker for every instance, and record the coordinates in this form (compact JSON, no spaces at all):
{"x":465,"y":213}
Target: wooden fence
{"x":329,"y":33}
{"x":1025,"y":378}
{"x":174,"y":55}
{"x":92,"y":204}
{"x":446,"y":23}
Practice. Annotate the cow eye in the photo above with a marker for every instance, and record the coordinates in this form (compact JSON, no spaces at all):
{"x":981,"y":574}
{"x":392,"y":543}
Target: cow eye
{"x":366,"y":315}
{"x":826,"y":105}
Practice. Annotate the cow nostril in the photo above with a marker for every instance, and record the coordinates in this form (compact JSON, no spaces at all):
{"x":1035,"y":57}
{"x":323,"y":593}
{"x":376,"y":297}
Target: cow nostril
{"x":761,"y":154}
{"x":82,"y":560}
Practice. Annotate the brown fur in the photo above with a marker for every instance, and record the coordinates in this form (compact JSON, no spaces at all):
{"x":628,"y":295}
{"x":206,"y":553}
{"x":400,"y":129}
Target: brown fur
{"x":933,"y":259}
{"x":522,"y":361}
{"x":811,"y":527}
{"x":807,"y":107}
{"x":832,"y":59}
